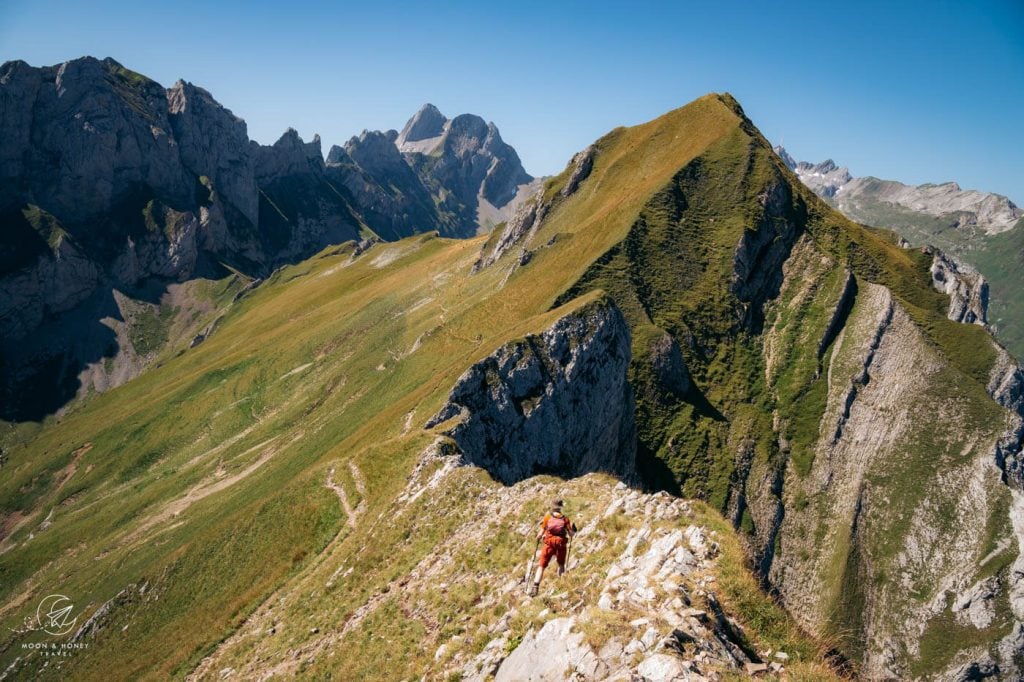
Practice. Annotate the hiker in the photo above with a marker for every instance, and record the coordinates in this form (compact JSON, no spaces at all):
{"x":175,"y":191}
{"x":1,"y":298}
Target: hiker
{"x":556,"y":530}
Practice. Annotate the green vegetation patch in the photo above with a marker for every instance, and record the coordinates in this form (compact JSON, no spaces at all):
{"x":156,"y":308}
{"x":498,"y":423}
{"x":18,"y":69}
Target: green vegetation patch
{"x":148,"y":329}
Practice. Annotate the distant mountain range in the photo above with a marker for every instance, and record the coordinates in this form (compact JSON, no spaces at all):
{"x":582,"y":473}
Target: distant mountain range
{"x":982,"y":229}
{"x":113,"y":187}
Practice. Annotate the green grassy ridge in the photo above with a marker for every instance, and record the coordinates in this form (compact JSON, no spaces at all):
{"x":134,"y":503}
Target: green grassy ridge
{"x":693,"y":448}
{"x":673,"y":271}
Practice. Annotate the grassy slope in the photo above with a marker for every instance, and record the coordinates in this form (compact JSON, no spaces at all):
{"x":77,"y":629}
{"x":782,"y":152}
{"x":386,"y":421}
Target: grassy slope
{"x":317,"y":367}
{"x":998,"y":258}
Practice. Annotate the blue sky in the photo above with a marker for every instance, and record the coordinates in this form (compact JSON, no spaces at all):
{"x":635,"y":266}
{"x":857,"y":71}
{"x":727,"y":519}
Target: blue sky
{"x":915,"y":91}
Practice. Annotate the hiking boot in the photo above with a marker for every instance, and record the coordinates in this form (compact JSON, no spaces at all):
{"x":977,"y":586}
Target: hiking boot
{"x":532,"y":590}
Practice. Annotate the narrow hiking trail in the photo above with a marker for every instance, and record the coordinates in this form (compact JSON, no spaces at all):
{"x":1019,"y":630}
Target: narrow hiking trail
{"x":639,"y":598}
{"x":350,"y":512}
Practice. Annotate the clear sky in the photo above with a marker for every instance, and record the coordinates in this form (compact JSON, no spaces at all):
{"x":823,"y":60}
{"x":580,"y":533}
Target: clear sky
{"x":914,"y":91}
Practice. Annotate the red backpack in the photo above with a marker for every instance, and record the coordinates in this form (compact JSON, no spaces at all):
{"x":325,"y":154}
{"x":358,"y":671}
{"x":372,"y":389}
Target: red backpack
{"x":557,"y":526}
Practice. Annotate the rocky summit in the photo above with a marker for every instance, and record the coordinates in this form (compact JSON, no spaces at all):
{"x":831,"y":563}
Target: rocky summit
{"x":132,"y":214}
{"x":791,"y":444}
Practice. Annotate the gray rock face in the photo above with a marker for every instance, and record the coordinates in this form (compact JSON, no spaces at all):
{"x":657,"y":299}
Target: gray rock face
{"x":547,"y":654}
{"x":427,"y":124}
{"x":57,"y":284}
{"x":523,"y":223}
{"x":1006,"y":383}
{"x":967,"y":290}
{"x":386,"y":192}
{"x":582,"y":163}
{"x":667,"y":363}
{"x":214,"y":143}
{"x":83,"y":137}
{"x":109,"y":181}
{"x":476,"y":160}
{"x":463,"y":162}
{"x":288,"y":156}
{"x":555,"y":402}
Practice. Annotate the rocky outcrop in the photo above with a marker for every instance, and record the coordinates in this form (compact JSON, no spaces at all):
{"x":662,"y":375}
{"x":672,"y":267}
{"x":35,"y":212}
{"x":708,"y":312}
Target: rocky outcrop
{"x":679,"y":631}
{"x":528,"y":217}
{"x":525,"y":221}
{"x":967,"y":290}
{"x":556,"y":402}
{"x":1006,"y":383}
{"x":667,"y":365}
{"x":582,"y":163}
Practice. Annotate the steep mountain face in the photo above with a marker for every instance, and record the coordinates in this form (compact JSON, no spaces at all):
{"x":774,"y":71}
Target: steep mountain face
{"x":552,"y":389}
{"x":982,"y":229}
{"x":319,"y":487}
{"x":113,"y":188}
{"x":393,"y":200}
{"x":476,"y":176}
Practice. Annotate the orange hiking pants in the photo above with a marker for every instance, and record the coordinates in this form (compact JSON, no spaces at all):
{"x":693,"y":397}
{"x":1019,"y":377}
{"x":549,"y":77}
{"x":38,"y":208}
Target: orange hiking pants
{"x":554,"y":546}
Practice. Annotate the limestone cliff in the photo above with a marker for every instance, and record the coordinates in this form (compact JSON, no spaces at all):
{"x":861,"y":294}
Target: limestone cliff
{"x":556,"y":402}
{"x":111,"y":183}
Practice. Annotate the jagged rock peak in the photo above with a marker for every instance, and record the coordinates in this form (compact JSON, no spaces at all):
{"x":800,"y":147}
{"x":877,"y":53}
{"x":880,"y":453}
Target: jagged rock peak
{"x":290,"y":155}
{"x":784,"y":155}
{"x":337,"y":155}
{"x":292,"y":140}
{"x":427,"y":123}
{"x":966,"y":288}
{"x":376,"y":151}
{"x":183,"y":93}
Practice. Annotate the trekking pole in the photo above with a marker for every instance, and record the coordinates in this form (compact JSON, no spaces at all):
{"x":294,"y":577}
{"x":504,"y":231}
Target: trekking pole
{"x":568,"y":546}
{"x":529,"y":564}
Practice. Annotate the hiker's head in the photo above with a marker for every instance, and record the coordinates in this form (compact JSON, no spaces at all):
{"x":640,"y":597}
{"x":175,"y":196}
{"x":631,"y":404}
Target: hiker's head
{"x":557,"y":506}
